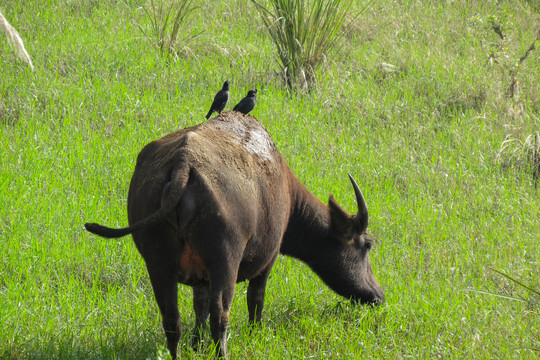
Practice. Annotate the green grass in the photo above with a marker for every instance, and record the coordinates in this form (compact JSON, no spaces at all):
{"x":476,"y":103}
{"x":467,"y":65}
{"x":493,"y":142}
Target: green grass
{"x":421,"y":138}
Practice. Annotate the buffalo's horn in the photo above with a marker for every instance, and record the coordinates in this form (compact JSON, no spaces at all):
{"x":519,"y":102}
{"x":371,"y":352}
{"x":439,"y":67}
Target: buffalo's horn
{"x":362,"y":215}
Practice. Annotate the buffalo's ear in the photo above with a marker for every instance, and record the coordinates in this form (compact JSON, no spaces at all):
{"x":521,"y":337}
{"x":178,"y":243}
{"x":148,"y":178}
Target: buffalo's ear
{"x":341,"y":223}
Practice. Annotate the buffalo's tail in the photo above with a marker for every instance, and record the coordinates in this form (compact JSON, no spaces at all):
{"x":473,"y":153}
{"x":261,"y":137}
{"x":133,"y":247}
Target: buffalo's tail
{"x":171,"y":195}
{"x":107,"y":232}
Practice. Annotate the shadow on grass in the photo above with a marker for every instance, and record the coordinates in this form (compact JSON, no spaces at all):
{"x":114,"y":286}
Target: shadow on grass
{"x":86,"y":348}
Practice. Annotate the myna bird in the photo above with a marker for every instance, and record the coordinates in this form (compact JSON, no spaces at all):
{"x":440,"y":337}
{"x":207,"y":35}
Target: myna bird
{"x":220,"y":100}
{"x":248,"y":103}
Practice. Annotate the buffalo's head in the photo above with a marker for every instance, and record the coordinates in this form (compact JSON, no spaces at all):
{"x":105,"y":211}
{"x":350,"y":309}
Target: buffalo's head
{"x":348,"y":271}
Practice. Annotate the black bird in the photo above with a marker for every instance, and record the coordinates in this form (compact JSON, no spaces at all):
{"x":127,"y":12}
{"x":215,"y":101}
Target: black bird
{"x":220,"y":100}
{"x":248,"y":103}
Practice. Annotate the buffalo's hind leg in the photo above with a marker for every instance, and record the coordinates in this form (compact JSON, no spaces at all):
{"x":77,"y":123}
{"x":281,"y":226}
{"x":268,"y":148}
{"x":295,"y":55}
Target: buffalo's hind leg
{"x":164,"y":282}
{"x":201,"y":303}
{"x":221,"y":296}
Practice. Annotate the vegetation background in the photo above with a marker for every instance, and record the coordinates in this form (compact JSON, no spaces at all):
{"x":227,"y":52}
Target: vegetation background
{"x":424,"y":103}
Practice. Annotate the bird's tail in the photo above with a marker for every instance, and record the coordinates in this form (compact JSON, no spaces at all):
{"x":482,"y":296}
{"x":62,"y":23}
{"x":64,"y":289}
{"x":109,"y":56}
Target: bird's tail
{"x":209,"y":113}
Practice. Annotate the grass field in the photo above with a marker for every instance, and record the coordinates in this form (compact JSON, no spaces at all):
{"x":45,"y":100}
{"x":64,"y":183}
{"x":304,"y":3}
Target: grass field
{"x":412,"y":105}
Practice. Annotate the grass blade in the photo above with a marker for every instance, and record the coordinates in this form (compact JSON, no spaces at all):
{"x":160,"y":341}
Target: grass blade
{"x":515,"y":280}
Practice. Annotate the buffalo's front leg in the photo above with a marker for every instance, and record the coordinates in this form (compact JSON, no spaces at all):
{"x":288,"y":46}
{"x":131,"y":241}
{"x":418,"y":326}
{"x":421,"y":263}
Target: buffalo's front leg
{"x":255,"y":295}
{"x":201,"y":303}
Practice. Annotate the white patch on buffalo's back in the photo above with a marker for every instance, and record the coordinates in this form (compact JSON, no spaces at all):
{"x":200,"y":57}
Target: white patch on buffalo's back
{"x":190,"y":135}
{"x":254,"y":139}
{"x":259,"y":143}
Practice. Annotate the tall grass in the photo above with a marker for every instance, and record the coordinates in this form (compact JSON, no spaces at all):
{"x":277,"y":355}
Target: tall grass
{"x":303,"y":33}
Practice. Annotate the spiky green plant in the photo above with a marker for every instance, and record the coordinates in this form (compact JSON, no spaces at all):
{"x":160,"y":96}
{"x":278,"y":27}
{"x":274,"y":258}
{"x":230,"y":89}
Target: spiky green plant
{"x":303,"y":32}
{"x":166,"y":19}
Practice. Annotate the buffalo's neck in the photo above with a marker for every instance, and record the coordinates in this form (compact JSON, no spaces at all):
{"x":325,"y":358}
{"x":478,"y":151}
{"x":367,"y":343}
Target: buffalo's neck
{"x":308,"y":225}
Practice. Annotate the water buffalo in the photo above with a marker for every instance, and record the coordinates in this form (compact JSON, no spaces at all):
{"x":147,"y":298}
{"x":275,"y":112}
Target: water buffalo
{"x":214,"y":204}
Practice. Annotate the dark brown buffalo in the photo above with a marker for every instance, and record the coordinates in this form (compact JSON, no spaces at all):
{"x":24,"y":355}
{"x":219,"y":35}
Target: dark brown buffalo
{"x":214,"y":204}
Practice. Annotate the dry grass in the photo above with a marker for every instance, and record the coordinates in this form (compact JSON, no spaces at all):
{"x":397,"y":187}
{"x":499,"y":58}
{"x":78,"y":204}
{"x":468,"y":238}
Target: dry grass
{"x":523,"y":153}
{"x":15,"y":41}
